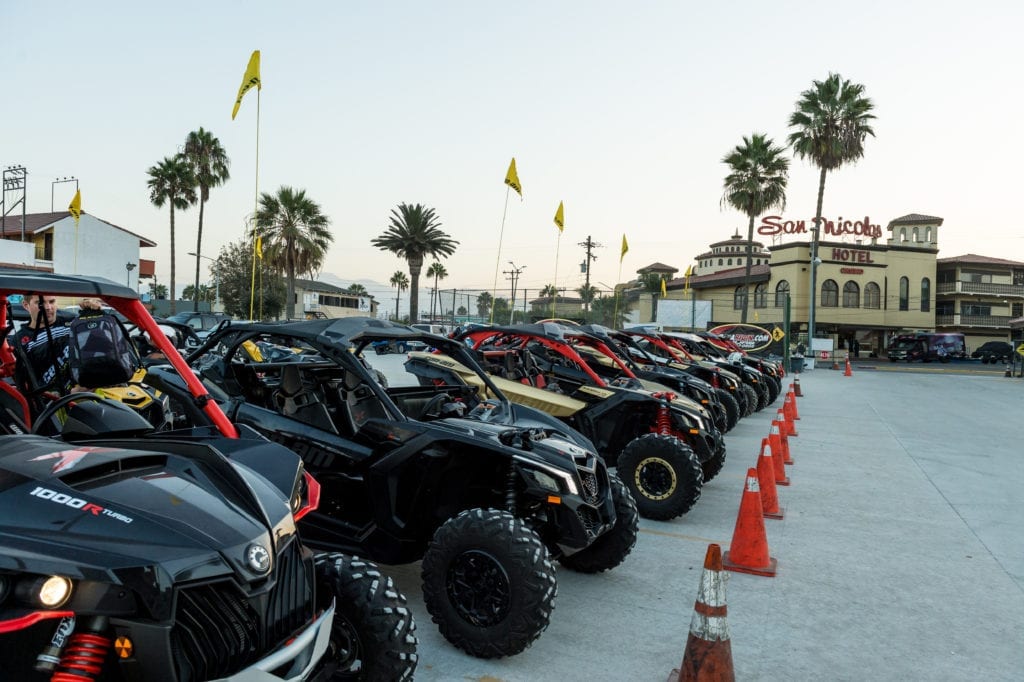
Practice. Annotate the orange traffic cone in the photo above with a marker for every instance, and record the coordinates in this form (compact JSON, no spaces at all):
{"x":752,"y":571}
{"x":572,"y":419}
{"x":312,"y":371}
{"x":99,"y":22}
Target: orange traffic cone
{"x":789,"y":406}
{"x":748,"y":552}
{"x":791,"y":397}
{"x":787,"y":457}
{"x":708,"y":655}
{"x":796,"y":387}
{"x":775,"y":443}
{"x":788,"y":427}
{"x":766,"y":479}
{"x":848,"y":372}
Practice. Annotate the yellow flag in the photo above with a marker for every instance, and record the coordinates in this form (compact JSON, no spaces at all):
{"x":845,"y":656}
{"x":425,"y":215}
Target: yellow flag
{"x":259,"y":247}
{"x":251,"y":78}
{"x":512,"y":178}
{"x":560,"y":217}
{"x":625,"y":248}
{"x":75,"y":208}
{"x":664,"y":292}
{"x":689,"y":271}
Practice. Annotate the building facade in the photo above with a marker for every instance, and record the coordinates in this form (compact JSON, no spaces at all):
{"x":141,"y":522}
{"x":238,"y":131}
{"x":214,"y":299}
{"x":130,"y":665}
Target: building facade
{"x":319,"y":299}
{"x":871,"y":285}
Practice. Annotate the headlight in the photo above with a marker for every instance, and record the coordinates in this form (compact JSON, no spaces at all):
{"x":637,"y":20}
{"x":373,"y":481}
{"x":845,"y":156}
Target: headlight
{"x":46,"y":591}
{"x":544,"y":480}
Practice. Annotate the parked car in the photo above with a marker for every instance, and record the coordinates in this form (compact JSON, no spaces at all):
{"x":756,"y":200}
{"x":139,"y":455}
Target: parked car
{"x":446,"y":473}
{"x":201,"y":323}
{"x":131,"y":554}
{"x":993,"y":351}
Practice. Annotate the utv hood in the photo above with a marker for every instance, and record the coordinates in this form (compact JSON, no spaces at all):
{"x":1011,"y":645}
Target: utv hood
{"x":101,"y":509}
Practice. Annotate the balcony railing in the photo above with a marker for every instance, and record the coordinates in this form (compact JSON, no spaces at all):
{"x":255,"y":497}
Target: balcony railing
{"x":979,"y":288}
{"x":43,"y":253}
{"x":959,"y":320}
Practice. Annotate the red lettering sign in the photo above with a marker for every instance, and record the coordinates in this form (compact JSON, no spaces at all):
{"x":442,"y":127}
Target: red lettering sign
{"x":852,"y":271}
{"x":773,"y":225}
{"x":852,"y":256}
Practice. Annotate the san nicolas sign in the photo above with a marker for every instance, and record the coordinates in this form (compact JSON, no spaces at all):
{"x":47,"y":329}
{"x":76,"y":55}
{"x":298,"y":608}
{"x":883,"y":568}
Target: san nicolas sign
{"x":774,"y":225}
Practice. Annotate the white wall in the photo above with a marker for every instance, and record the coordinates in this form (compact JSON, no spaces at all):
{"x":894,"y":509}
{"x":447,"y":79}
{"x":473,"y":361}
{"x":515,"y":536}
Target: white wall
{"x":17,"y":252}
{"x":102,"y":250}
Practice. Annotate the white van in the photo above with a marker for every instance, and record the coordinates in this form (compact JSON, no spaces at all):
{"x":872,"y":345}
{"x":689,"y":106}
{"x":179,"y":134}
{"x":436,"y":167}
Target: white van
{"x":439,"y":329}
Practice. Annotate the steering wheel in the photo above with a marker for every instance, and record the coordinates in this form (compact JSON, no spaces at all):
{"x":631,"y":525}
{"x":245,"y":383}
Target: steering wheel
{"x":46,"y":416}
{"x":432,"y":408}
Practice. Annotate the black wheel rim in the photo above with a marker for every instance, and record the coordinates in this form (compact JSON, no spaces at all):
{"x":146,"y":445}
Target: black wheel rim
{"x":346,"y":647}
{"x":655,"y":478}
{"x":479,"y":588}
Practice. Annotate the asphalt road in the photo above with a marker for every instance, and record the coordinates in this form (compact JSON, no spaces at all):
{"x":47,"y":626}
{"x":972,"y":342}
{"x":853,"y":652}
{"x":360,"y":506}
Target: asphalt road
{"x":899,"y":557}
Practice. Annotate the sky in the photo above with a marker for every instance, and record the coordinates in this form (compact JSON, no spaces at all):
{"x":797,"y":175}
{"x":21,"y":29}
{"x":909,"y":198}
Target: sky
{"x":623,"y":111}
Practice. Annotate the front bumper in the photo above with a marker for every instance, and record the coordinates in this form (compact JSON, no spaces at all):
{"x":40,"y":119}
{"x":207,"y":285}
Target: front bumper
{"x":296,"y":660}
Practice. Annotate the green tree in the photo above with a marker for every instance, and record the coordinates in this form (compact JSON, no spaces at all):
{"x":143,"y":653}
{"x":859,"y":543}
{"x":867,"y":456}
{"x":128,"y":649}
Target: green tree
{"x":501,"y":310}
{"x":462,"y":311}
{"x":295,"y":236}
{"x":605,"y":312}
{"x":209,"y":163}
{"x":413,"y":234}
{"x":549,"y":291}
{"x":438,"y":272}
{"x":399,"y":281}
{"x":158,"y":291}
{"x":171,"y":182}
{"x":206,"y":293}
{"x":234,"y":268}
{"x":758,"y":173}
{"x":357,"y":290}
{"x":651,"y":281}
{"x":587,"y":293}
{"x":483,"y":304}
{"x":831,"y":123}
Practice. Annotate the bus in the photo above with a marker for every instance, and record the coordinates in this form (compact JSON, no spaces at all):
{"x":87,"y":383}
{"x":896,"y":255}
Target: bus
{"x":927,"y":346}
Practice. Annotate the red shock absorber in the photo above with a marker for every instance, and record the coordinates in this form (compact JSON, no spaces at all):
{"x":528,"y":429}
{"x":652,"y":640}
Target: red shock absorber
{"x":83,"y":658}
{"x":663,"y":420}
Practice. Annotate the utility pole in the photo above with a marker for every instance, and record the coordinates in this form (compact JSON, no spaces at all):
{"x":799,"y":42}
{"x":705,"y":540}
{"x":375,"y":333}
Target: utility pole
{"x":54,"y":184}
{"x":589,"y":245}
{"x":15,"y":180}
{"x":513,"y":275}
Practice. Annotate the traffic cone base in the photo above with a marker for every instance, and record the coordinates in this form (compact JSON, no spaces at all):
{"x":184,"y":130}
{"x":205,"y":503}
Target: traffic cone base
{"x":708,"y":655}
{"x":748,"y":552}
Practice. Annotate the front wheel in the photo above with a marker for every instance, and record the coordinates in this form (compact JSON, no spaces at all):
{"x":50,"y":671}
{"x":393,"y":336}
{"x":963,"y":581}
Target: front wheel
{"x":372,"y":637}
{"x":732,"y":407}
{"x":488,"y":583}
{"x":611,"y":549}
{"x":663,"y":474}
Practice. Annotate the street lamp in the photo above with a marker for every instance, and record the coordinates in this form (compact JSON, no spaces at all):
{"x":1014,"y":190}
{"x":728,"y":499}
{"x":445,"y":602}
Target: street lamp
{"x":216,"y":278}
{"x":128,"y":276}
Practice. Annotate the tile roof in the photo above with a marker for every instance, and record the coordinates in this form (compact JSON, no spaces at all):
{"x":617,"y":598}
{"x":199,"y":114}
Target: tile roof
{"x":722,"y":277}
{"x":979,"y":260}
{"x":657,"y":267}
{"x":36,"y":221}
{"x":916,"y":218}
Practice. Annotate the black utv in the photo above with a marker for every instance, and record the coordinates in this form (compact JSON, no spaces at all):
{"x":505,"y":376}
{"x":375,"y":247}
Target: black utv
{"x":446,"y":473}
{"x":660,"y":442}
{"x":134,"y":555}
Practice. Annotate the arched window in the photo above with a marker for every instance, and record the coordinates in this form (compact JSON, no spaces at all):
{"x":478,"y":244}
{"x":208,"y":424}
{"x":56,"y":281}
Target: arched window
{"x":781,"y":289}
{"x":851,"y":295}
{"x":927,"y":234}
{"x":729,"y":261}
{"x":872,"y":296}
{"x":737,"y":298}
{"x":761,"y":295}
{"x":719,"y":261}
{"x":926,"y":295}
{"x":915,"y":234}
{"x":903,"y":234}
{"x":904,"y":293}
{"x":829,"y":294}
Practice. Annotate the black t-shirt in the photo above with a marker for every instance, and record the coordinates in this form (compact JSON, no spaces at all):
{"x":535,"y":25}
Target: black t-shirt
{"x":50,"y":365}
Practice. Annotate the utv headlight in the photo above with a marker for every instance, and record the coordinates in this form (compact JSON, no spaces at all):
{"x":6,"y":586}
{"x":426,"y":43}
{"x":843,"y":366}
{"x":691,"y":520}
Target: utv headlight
{"x":544,"y":480}
{"x":48,"y":592}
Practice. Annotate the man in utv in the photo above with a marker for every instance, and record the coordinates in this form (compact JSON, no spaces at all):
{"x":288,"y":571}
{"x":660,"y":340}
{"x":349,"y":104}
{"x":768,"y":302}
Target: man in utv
{"x":45,"y":343}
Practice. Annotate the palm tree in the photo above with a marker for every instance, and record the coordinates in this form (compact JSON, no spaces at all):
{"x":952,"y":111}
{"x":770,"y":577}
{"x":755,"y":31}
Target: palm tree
{"x":400,"y":282}
{"x":483,"y":304}
{"x":831,"y":122}
{"x":209,"y":163}
{"x":756,"y":182}
{"x":357,"y":289}
{"x":437,"y":271}
{"x":414,"y":234}
{"x":295,"y":235}
{"x":587,"y":292}
{"x":549,"y":291}
{"x":171,"y":182}
{"x":206,"y":293}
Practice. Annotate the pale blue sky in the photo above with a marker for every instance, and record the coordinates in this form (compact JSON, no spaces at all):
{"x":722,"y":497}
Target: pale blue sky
{"x":622,"y":110}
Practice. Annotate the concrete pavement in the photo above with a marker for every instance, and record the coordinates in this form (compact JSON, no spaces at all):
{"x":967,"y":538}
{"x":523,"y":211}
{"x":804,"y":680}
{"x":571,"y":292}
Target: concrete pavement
{"x":900,"y":555}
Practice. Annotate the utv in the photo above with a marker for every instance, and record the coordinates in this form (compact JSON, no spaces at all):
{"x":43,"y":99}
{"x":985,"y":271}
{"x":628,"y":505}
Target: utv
{"x":131,"y":555}
{"x":450,"y":474}
{"x":753,"y":382}
{"x":660,"y":442}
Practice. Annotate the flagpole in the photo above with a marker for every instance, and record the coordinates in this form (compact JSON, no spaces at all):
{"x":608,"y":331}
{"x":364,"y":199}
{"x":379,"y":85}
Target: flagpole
{"x":615,"y":315}
{"x":256,"y":208}
{"x":497,"y":263}
{"x":554,"y":297}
